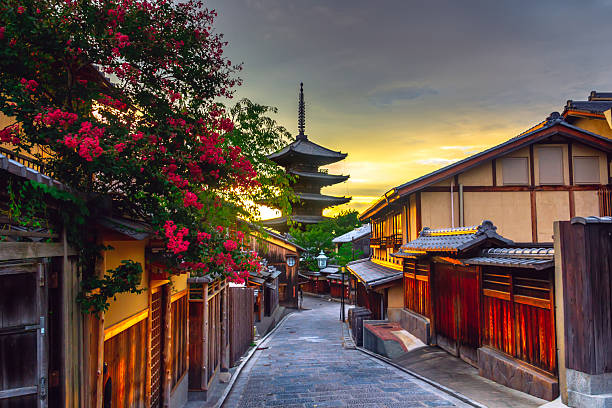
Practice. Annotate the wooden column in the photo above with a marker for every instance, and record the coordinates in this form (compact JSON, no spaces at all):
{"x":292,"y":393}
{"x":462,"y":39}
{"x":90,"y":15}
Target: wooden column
{"x":99,"y":321}
{"x":167,"y":387}
{"x":204,"y":385}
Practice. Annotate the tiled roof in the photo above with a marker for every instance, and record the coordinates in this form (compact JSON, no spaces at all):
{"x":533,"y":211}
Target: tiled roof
{"x":453,"y":239}
{"x":319,"y":176}
{"x":354,"y":234}
{"x":302,"y":219}
{"x":589,"y":106}
{"x":133,"y":229}
{"x":304,"y":147}
{"x":372,"y":274}
{"x":322,"y":198}
{"x":533,"y":258}
{"x":594,"y":96}
{"x":591,"y":220}
{"x":330,"y":269}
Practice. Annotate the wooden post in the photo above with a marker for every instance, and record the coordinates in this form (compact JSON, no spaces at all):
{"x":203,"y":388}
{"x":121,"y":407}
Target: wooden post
{"x":224,"y":331}
{"x":167,"y":347}
{"x":204,"y":385}
{"x":100,"y":343}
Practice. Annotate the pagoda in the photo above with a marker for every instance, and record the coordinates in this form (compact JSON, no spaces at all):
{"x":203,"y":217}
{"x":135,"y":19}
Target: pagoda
{"x":302,"y":158}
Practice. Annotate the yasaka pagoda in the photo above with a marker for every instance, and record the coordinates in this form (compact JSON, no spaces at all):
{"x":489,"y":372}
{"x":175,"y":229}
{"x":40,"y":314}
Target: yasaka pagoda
{"x":302,"y":158}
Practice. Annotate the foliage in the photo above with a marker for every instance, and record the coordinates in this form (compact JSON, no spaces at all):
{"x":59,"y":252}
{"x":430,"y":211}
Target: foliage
{"x":318,"y":237}
{"x":117,"y":98}
{"x":96,"y":291}
{"x":260,"y":135}
{"x":346,"y":254}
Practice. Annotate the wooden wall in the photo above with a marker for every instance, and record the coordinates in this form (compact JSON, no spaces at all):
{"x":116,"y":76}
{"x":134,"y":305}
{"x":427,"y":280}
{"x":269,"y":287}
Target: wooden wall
{"x":126,"y":357}
{"x":179,"y":339}
{"x":241,"y":321}
{"x":586,"y":253}
{"x":416,"y":288}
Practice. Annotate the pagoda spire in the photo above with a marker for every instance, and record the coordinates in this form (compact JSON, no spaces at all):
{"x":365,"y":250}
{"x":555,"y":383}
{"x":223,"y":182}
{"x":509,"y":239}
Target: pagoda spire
{"x":301,"y":114}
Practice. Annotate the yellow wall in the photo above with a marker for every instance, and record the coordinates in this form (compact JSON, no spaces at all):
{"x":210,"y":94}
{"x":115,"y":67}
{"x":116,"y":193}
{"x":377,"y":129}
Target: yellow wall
{"x":551,"y":206}
{"x":599,"y":126}
{"x":586,"y":203}
{"x":436,"y":209}
{"x":126,"y":304}
{"x":478,"y":176}
{"x":413,"y":219}
{"x":510,"y":212}
{"x":396,"y":295}
{"x":179,"y":283}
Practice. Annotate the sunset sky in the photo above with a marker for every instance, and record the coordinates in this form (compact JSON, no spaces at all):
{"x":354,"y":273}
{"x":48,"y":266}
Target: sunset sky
{"x":406,"y":87}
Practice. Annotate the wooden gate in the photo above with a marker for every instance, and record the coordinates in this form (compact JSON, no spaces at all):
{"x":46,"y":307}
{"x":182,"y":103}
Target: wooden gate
{"x":23,"y":334}
{"x":156,"y":346}
{"x":457,"y":310}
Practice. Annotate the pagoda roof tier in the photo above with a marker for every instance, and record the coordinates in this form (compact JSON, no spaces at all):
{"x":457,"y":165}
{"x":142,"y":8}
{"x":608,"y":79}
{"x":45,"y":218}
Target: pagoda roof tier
{"x":303,"y":150}
{"x":280,"y":223}
{"x":318,"y":177}
{"x":326,"y":200}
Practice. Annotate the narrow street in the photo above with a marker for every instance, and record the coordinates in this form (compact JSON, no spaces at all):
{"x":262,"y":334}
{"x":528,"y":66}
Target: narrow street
{"x":303,"y":364}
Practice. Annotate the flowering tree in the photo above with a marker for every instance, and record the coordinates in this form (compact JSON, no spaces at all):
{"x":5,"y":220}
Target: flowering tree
{"x":117,"y":97}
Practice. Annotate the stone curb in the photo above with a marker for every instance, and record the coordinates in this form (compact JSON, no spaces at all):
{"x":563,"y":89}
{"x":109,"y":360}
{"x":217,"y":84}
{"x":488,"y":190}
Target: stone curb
{"x":250,"y":354}
{"x":433,"y":383}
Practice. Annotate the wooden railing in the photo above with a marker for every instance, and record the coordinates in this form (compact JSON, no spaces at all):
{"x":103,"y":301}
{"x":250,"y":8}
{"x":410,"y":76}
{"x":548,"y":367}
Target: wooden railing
{"x":241,"y":321}
{"x":23,"y":159}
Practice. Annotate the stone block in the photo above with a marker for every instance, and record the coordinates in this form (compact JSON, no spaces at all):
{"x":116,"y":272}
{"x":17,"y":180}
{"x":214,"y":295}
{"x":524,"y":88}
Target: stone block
{"x":413,"y":323}
{"x":516,"y":374}
{"x":589,"y":390}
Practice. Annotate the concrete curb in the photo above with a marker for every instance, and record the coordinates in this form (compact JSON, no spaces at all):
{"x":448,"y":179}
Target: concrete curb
{"x":232,"y":381}
{"x":433,"y":383}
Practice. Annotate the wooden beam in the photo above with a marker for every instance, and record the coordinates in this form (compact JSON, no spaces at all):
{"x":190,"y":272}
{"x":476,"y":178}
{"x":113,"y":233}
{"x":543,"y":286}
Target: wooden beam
{"x":534,"y":217}
{"x":224,"y":331}
{"x":494,"y":172}
{"x":572,"y":204}
{"x":125,"y":324}
{"x":531,"y":166}
{"x":419,"y":224}
{"x":149,"y":344}
{"x":501,"y":189}
{"x":25,"y":250}
{"x":570,"y":163}
{"x":176,"y":296}
{"x":18,"y":392}
{"x":204,"y":384}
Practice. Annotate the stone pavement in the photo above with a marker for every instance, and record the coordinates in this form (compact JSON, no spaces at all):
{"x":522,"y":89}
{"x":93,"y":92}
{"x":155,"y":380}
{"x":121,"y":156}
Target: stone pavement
{"x":303,"y":364}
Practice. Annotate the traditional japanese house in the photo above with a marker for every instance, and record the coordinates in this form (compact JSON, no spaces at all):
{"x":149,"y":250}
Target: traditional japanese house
{"x":338,"y":282}
{"x":303,"y":159}
{"x":358,"y":239}
{"x":478,"y":296}
{"x":284,"y":256}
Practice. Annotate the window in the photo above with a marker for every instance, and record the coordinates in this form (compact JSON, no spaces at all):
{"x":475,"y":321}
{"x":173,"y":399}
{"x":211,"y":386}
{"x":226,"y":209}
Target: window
{"x":515,"y":171}
{"x":550,"y":164}
{"x":586,"y":170}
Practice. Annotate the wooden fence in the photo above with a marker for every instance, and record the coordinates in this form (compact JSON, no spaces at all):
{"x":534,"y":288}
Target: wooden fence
{"x":207,"y":332}
{"x":241,"y":321}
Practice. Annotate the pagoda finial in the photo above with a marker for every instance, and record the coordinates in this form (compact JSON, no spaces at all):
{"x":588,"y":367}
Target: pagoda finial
{"x":301,"y":114}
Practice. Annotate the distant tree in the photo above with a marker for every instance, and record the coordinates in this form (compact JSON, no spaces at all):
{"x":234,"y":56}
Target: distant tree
{"x":318,"y":237}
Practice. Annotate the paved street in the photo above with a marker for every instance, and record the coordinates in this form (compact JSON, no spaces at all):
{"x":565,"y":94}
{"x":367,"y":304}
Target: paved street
{"x":303,"y":364}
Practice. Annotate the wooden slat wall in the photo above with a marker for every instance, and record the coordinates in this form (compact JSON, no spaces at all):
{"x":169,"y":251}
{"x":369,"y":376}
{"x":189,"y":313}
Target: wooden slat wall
{"x":196,"y":341}
{"x":518,"y":317}
{"x":416,"y":288}
{"x":241,"y":321}
{"x":126,"y":357}
{"x":179,"y":339}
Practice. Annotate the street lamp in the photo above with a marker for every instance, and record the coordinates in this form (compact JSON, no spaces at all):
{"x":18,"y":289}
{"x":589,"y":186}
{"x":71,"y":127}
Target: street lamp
{"x":322,"y":260}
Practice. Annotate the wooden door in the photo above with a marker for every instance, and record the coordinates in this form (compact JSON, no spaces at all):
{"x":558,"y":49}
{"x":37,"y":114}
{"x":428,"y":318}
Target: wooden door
{"x":457,"y":310}
{"x":23,"y":335}
{"x":157,"y":341}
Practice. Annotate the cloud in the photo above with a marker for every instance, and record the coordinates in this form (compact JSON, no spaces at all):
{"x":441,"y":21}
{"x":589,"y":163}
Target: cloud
{"x":406,"y":93}
{"x":436,"y":161}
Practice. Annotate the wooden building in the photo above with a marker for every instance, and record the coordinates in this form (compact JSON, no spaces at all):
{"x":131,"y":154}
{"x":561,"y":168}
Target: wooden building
{"x":302,"y":159}
{"x":284,"y":256}
{"x":493,"y":304}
